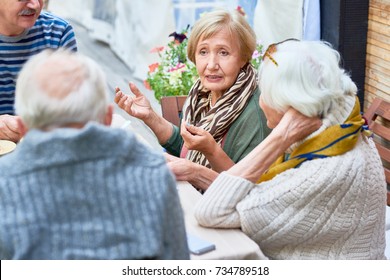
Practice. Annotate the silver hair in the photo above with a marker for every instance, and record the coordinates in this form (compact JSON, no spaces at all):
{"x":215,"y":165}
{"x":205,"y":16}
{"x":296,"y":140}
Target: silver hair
{"x":307,"y":77}
{"x":55,"y":88}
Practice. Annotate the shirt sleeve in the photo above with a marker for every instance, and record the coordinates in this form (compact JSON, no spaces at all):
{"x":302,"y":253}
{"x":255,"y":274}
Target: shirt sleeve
{"x":218,"y":206}
{"x":174,"y":144}
{"x":68,"y":39}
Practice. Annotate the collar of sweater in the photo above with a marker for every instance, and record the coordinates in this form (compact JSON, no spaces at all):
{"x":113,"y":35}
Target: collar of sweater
{"x":40,"y":149}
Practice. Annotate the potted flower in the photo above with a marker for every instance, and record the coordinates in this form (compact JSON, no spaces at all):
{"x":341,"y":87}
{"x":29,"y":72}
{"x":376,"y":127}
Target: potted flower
{"x":174,"y":74}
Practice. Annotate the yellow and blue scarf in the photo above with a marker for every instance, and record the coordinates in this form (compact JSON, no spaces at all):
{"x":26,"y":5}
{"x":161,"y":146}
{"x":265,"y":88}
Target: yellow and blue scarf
{"x":335,"y":140}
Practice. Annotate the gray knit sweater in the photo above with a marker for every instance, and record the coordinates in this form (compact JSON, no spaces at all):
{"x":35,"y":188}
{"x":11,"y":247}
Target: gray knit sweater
{"x":94,"y":193}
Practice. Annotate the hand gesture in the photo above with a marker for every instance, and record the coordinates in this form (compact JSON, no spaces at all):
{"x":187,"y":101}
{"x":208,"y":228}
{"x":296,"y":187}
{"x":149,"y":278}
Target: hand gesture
{"x":10,"y":128}
{"x":138,"y":106}
{"x":196,"y":138}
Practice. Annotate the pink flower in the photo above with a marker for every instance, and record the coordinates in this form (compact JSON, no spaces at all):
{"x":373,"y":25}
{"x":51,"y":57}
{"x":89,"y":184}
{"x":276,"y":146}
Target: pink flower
{"x":241,"y":10}
{"x":153,"y":67}
{"x":157,"y":49}
{"x":256,"y":54}
{"x":147,"y":85}
{"x":177,"y":67}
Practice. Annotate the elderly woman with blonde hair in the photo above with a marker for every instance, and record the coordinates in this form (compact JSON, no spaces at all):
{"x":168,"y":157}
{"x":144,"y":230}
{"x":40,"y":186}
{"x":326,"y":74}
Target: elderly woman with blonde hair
{"x":305,"y":192}
{"x":223,"y":102}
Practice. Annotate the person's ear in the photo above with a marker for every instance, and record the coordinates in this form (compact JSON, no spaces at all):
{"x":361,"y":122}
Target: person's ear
{"x":108,"y":117}
{"x":21,"y":127}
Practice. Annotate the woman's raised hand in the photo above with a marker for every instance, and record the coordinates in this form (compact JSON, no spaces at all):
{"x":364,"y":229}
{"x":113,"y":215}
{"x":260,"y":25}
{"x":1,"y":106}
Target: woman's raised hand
{"x":295,"y":126}
{"x":137,"y":106}
{"x":196,"y":138}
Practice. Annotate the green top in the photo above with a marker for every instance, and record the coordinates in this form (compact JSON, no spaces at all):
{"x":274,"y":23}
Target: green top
{"x":245,"y":133}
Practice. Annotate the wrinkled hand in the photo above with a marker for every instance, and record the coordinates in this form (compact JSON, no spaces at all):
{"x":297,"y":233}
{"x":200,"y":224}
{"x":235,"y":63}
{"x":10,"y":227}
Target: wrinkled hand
{"x":182,"y":168}
{"x":9,"y":128}
{"x":196,"y":138}
{"x":138,"y":106}
{"x":296,"y":126}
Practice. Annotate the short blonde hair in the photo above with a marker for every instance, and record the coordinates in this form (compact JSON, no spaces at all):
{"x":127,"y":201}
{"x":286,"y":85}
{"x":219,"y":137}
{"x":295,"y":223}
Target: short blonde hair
{"x":213,"y":22}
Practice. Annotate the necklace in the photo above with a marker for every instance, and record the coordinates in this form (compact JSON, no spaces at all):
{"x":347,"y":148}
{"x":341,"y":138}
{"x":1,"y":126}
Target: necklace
{"x":210,"y":100}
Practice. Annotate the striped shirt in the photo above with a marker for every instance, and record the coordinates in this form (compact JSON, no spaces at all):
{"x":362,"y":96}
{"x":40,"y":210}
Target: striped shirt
{"x":49,"y":31}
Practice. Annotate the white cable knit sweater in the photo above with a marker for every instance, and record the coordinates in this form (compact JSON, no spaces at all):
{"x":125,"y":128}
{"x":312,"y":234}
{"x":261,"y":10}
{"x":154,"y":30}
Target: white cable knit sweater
{"x":332,"y":208}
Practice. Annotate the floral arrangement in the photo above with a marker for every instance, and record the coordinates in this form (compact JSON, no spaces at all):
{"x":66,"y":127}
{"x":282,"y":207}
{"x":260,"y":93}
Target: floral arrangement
{"x":175,"y":74}
{"x":257,"y":55}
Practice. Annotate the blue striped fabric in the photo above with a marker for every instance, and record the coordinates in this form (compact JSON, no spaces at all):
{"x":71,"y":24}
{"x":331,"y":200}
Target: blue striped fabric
{"x":49,"y":31}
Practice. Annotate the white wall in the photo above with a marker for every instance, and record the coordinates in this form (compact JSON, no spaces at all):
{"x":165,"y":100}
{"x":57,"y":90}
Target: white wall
{"x":131,"y":27}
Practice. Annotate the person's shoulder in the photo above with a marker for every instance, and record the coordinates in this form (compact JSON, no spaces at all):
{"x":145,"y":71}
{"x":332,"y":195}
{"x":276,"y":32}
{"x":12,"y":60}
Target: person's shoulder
{"x":147,"y":155}
{"x":7,"y":166}
{"x":256,"y":96}
{"x":136,"y":149}
{"x":136,"y":155}
{"x":47,"y":17}
{"x":60,"y":30}
{"x":253,"y":106}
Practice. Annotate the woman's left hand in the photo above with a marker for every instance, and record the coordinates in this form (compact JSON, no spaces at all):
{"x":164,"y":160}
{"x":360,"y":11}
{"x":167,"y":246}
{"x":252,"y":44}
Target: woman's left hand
{"x":198,"y":175}
{"x":196,"y":138}
{"x":182,"y":168}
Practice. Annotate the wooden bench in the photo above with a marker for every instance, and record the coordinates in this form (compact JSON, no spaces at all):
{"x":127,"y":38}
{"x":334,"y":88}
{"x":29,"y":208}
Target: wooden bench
{"x":171,"y":108}
{"x":378,"y":119}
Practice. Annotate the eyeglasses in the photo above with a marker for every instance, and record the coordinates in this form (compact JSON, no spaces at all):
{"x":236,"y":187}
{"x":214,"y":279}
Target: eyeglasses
{"x":272,"y":49}
{"x":26,"y":1}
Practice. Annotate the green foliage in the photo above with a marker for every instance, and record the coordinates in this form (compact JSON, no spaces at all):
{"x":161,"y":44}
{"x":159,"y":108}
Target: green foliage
{"x":257,"y":56}
{"x":174,"y":74}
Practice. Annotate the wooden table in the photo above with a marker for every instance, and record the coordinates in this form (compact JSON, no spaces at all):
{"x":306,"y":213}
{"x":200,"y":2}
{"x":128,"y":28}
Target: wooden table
{"x":230,"y":243}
